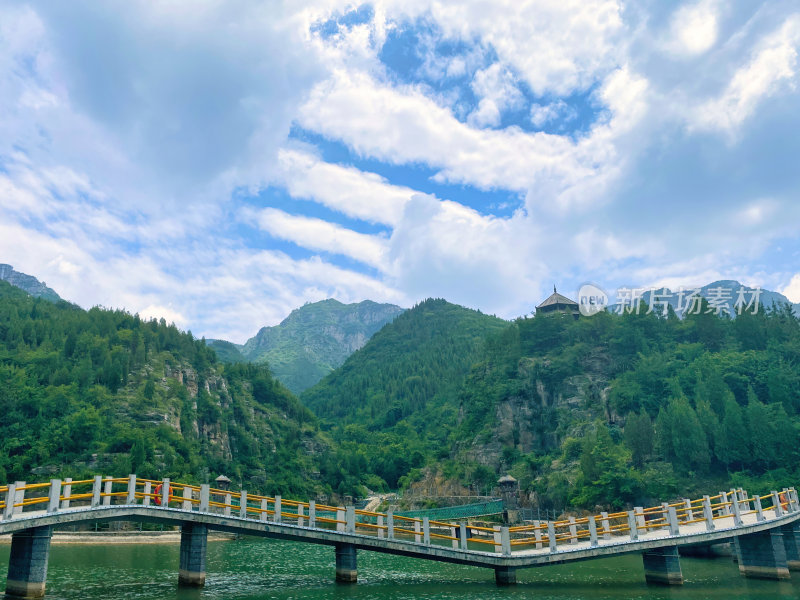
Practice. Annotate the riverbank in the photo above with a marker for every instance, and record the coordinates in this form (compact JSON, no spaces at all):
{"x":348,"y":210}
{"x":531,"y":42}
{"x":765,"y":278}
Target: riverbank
{"x":123,"y":537}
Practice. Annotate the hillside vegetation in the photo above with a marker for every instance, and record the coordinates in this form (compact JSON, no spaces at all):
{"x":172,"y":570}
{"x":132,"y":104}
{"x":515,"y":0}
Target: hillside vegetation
{"x":393,"y":404}
{"x":103,"y":391}
{"x":607,"y":410}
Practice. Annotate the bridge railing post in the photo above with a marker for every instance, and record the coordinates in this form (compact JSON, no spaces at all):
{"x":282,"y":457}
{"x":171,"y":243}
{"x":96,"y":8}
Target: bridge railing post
{"x":350,"y":519}
{"x":551,"y":537}
{"x":148,"y":490}
{"x":300,"y":515}
{"x":725,"y":509}
{"x":672,"y":521}
{"x":243,"y":504}
{"x":205,"y":497}
{"x":165,"y":492}
{"x":262,"y":516}
{"x":278,"y":512}
{"x":108,"y":486}
{"x":131,"y":497}
{"x":776,"y":503}
{"x":312,"y":513}
{"x":688,"y":512}
{"x":11,"y":494}
{"x":505,"y":541}
{"x":537,"y":534}
{"x":381,"y":531}
{"x":390,"y":524}
{"x":573,"y":531}
{"x":592,"y":531}
{"x":417,"y":531}
{"x":462,"y":534}
{"x":227,"y":509}
{"x":496,"y":538}
{"x":793,"y":496}
{"x":638,"y":511}
{"x":187,"y":498}
{"x":605,"y":525}
{"x":737,"y":513}
{"x":759,"y":511}
{"x":426,"y":531}
{"x":708,"y":513}
{"x":632,"y":525}
{"x":55,"y":496}
{"x":67,"y":492}
{"x":96,"y":489}
{"x":340,"y":520}
{"x":454,"y":535}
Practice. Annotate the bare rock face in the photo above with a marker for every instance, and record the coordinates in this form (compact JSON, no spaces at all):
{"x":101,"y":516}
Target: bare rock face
{"x":28,"y":283}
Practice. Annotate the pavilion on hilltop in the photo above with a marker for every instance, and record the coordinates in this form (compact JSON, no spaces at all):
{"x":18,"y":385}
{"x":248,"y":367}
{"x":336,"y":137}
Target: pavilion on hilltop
{"x":557,"y":303}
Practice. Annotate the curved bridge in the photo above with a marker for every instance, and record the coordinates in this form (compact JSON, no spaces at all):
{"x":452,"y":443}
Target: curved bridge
{"x":765,"y":529}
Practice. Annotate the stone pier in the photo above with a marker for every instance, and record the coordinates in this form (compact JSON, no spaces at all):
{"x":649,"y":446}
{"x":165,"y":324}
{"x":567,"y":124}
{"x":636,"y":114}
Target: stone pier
{"x":763,"y":555}
{"x":662,"y":566}
{"x":791,"y":543}
{"x":194,"y":539}
{"x":346,"y":563}
{"x":505,"y":576}
{"x":27,"y":565}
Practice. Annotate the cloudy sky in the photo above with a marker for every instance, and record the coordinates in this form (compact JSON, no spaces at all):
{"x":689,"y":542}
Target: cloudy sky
{"x":220,"y":164}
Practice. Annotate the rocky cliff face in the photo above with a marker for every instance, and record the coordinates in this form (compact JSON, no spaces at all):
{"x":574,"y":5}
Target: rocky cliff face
{"x":316,"y":338}
{"x":28,"y":283}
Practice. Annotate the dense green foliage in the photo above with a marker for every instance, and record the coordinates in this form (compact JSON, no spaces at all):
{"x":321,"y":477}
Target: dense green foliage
{"x":394,"y":402}
{"x":625,"y":408}
{"x":102,"y":390}
{"x":608,"y":410}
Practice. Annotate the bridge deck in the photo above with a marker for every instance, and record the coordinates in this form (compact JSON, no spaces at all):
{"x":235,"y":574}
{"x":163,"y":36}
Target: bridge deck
{"x":514,"y":547}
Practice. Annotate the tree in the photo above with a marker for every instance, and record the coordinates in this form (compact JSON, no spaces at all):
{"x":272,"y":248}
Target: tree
{"x":732,"y":443}
{"x":639,"y":436}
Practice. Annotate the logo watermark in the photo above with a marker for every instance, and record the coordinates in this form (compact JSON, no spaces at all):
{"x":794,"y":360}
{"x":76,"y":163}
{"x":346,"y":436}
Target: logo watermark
{"x":719,"y":300}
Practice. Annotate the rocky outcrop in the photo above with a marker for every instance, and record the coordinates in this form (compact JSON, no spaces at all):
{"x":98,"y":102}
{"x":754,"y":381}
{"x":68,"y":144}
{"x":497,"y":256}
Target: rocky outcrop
{"x":28,"y":283}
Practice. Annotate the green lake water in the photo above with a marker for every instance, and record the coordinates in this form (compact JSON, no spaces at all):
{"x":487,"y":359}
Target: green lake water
{"x":260,"y":569}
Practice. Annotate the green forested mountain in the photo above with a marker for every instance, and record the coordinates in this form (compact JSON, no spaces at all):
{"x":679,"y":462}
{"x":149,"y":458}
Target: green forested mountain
{"x":604,"y":410}
{"x":103,"y":391}
{"x":313,"y":340}
{"x":394,"y":402}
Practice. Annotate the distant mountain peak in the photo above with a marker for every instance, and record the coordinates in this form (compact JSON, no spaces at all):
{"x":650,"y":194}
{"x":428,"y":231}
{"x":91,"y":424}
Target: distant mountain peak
{"x":27,"y":283}
{"x":313,"y":339}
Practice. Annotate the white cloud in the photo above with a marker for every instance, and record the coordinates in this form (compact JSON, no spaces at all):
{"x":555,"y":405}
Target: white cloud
{"x":792,"y":289}
{"x":497,"y":90}
{"x":154,"y":311}
{"x":773,"y":67}
{"x":694,"y":28}
{"x":401,"y":125}
{"x":317,"y":234}
{"x":541,"y":114}
{"x":347,"y":190}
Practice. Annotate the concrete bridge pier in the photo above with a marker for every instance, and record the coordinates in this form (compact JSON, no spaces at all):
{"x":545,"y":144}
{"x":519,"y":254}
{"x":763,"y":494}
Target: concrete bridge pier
{"x":762,"y":555}
{"x":346,"y":563}
{"x":27,"y":565}
{"x":791,"y":543}
{"x":662,"y":566}
{"x":194,"y":539}
{"x":505,"y":576}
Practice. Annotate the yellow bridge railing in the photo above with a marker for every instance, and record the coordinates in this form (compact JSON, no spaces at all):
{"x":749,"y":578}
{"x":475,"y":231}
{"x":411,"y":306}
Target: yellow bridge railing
{"x":734,"y":508}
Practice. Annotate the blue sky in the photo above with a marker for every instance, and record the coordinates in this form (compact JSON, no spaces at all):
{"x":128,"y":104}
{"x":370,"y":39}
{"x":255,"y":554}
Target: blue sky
{"x":221,"y":164}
